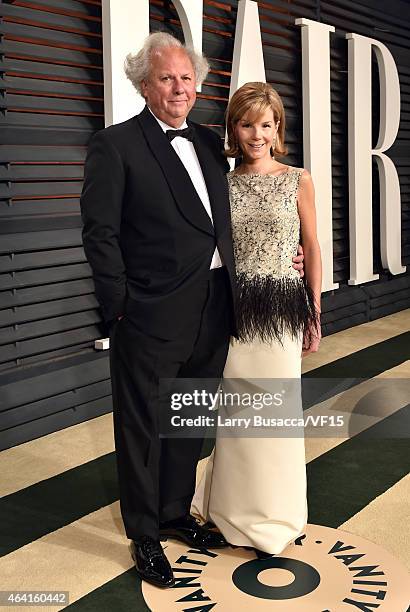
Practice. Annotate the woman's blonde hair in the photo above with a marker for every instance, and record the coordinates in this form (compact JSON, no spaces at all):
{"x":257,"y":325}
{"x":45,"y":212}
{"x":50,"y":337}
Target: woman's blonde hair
{"x":255,"y":99}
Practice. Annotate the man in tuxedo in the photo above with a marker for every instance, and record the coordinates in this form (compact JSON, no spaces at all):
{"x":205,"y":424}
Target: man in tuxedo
{"x":157,"y":235}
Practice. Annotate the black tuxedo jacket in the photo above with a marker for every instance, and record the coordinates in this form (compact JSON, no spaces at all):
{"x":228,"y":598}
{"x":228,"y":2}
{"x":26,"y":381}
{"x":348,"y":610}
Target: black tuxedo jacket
{"x":146,"y":234}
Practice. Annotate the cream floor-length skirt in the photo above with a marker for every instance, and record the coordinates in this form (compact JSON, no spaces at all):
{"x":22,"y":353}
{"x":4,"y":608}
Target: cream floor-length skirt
{"x":254,"y":488}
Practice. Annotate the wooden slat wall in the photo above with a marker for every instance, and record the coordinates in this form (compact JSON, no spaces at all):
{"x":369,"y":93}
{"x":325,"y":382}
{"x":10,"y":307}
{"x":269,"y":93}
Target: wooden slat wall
{"x":51,"y":102}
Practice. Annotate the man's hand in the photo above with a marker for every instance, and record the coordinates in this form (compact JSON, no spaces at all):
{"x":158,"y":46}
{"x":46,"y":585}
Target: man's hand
{"x":298,"y":261}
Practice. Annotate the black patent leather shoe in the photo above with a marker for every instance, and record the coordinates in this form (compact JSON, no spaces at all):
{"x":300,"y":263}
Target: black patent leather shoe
{"x":188,"y":530}
{"x":151,"y":563}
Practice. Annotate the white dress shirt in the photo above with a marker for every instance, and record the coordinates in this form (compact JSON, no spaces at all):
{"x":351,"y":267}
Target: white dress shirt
{"x":187,"y":154}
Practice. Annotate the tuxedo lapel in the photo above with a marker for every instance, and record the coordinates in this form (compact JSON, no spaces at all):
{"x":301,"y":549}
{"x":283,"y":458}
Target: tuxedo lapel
{"x":216,"y":185}
{"x":180,"y":184}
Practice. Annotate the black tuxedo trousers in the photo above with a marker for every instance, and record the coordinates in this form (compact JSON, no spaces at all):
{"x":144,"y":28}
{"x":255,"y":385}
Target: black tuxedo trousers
{"x":157,"y":475}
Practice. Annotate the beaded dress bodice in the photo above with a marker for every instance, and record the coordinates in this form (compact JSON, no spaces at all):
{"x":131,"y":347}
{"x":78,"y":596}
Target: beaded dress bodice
{"x":272,"y":298}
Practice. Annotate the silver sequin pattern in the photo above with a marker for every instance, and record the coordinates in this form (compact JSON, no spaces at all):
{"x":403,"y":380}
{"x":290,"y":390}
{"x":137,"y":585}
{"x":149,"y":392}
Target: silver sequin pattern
{"x":265,"y":223}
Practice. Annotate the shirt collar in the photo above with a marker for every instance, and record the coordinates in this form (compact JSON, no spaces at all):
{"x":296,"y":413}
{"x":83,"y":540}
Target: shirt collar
{"x":166,"y":127}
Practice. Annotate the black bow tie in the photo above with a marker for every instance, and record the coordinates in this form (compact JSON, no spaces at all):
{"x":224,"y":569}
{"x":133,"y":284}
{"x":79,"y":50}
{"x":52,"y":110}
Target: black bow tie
{"x":188,"y":133}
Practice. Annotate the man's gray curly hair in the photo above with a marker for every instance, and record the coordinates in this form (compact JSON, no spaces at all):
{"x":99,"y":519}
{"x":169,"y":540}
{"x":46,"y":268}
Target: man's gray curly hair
{"x":137,"y":67}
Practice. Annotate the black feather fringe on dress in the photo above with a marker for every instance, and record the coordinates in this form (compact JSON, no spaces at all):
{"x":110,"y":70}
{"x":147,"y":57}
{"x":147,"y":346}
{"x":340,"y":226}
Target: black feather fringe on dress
{"x":269,"y":307}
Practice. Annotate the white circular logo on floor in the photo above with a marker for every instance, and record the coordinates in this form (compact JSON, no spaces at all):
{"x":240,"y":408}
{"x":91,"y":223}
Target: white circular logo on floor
{"x":325,"y":570}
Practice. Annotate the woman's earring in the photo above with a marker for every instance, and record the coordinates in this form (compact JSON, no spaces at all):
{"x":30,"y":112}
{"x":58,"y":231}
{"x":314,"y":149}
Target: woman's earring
{"x":273,"y":147}
{"x":274,"y":140}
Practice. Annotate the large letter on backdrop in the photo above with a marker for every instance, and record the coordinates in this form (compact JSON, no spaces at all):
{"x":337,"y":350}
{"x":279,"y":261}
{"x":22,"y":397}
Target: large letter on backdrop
{"x":190,"y":13}
{"x":317,"y":132}
{"x":125,"y":26}
{"x":247,"y":62}
{"x":360,"y":160}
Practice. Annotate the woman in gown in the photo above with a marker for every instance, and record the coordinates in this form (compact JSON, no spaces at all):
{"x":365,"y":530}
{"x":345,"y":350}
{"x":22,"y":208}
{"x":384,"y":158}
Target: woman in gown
{"x":254,"y":488}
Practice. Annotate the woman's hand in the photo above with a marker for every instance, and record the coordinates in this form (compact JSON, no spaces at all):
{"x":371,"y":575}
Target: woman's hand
{"x":311,"y":339}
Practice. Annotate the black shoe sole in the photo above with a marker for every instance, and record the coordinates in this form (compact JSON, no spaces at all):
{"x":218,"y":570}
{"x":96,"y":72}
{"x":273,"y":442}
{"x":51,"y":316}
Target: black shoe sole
{"x":154,"y":582}
{"x":176,"y":536}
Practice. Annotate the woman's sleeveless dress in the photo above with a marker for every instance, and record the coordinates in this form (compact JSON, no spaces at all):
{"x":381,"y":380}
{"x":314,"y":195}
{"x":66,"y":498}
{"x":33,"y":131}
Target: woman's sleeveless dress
{"x":254,"y":488}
